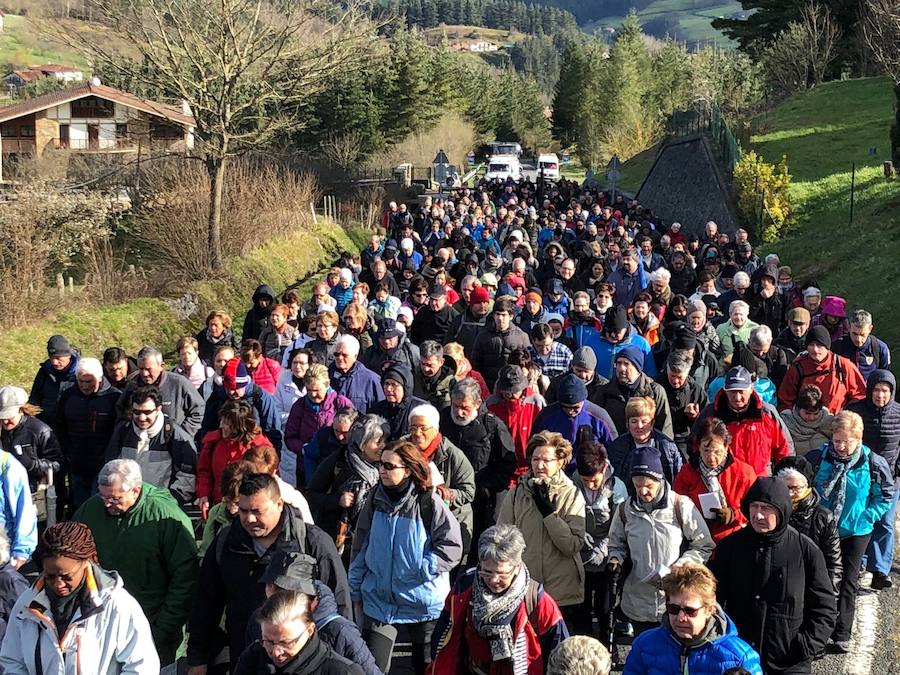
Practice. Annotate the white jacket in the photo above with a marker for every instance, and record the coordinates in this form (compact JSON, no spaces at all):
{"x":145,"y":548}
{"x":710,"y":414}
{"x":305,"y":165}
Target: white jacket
{"x":113,"y":638}
{"x":653,"y":541}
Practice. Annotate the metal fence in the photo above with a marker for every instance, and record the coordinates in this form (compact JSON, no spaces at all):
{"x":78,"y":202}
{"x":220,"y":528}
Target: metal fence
{"x":710,"y":121}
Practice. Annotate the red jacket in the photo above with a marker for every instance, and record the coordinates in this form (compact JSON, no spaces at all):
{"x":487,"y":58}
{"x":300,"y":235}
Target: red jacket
{"x":467,"y":371}
{"x":758,"y":436}
{"x":519,"y":417}
{"x":837,"y":377}
{"x":735,"y":480}
{"x":266,"y":374}
{"x":459,"y":650}
{"x":215,"y":453}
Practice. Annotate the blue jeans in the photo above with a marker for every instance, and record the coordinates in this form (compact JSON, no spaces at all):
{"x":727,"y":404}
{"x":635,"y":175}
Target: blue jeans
{"x":83,"y":488}
{"x":880,"y":553}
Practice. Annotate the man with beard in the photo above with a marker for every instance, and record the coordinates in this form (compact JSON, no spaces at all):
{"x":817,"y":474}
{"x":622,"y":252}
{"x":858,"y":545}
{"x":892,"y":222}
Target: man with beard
{"x":487,"y":444}
{"x":391,"y":346}
{"x":397,"y":382}
{"x":433,"y":321}
{"x":435,"y":375}
{"x":629,"y":279}
{"x":467,"y":326}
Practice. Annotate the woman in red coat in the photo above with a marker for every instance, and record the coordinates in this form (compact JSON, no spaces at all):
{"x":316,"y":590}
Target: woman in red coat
{"x":715,"y":470}
{"x":238,"y":431}
{"x":497,"y":620}
{"x":263,"y":371}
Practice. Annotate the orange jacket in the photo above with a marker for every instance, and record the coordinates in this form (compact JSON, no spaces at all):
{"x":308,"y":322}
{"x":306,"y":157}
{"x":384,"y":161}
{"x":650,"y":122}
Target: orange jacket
{"x":837,"y":377}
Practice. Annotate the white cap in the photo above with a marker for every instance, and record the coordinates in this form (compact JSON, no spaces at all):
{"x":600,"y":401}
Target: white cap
{"x":11,"y":401}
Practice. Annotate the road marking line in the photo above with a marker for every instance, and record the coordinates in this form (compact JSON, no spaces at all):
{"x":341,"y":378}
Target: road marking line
{"x":858,"y":660}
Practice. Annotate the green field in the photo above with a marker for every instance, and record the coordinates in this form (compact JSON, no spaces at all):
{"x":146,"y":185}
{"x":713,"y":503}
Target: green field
{"x":24,"y":43}
{"x":822,"y":133}
{"x":693,"y":18}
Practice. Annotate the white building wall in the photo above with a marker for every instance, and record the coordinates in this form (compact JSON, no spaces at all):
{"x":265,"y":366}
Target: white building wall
{"x":108,"y":135}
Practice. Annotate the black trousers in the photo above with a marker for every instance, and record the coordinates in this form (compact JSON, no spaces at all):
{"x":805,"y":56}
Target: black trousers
{"x":595,"y":605}
{"x":852,"y":551}
{"x":380,"y":639}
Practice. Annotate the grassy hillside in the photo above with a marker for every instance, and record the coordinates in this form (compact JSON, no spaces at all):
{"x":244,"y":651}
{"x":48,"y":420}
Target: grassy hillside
{"x":685,"y":20}
{"x":822,"y":132}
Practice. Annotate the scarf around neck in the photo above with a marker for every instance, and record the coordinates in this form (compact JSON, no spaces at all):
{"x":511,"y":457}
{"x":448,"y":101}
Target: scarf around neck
{"x":493,"y":615}
{"x":711,"y":478}
{"x":835,"y":487}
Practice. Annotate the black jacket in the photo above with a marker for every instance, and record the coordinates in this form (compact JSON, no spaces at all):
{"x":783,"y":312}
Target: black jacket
{"x":84,"y":426}
{"x":316,"y":658}
{"x":492,"y":350}
{"x":229,"y":578}
{"x":465,"y":329}
{"x":613,"y":397}
{"x":881,"y":426}
{"x":690,"y":392}
{"x":376,"y":359}
{"x":488,"y":445}
{"x":776,"y":587}
{"x":206,"y":347}
{"x":12,"y":585}
{"x":32,"y":440}
{"x":397,"y":414}
{"x":431,"y":325}
{"x":789,"y":342}
{"x":818,"y":523}
{"x":48,"y":386}
{"x":258,"y":317}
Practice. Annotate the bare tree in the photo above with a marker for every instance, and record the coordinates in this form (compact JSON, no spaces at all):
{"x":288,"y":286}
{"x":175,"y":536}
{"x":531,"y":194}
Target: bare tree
{"x":244,"y":67}
{"x":801,"y":55}
{"x":822,"y":36}
{"x":343,"y":150}
{"x":882,"y":31}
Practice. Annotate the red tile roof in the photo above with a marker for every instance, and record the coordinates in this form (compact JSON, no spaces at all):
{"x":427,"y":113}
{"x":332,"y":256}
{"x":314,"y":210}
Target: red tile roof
{"x":89,"y":89}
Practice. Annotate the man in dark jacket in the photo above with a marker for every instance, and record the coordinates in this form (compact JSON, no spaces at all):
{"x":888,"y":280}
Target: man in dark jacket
{"x":880,"y":413}
{"x":433,"y":321}
{"x":793,"y":338}
{"x":258,"y":316}
{"x":55,"y":375}
{"x":390,"y":346}
{"x":166,"y":454}
{"x":351,"y":378}
{"x":584,"y":365}
{"x":861,"y":347}
{"x":774,"y":584}
{"x":686,"y":398}
{"x":487,"y":444}
{"x":118,"y":367}
{"x":86,"y":419}
{"x":397,"y":383}
{"x":236,"y":384}
{"x":629,"y":382}
{"x":435,"y":375}
{"x":497,"y":341}
{"x":467,"y":326}
{"x":235,"y":562}
{"x":182,"y":402}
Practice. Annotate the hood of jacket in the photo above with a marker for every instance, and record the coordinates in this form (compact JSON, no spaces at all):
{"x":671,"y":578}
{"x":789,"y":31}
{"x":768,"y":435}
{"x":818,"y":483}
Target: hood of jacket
{"x":881,"y":376}
{"x":774,"y":492}
{"x":401,"y":371}
{"x":263,"y":291}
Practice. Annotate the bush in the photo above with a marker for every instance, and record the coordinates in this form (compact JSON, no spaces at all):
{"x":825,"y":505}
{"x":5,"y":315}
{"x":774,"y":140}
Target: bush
{"x":763,"y":196}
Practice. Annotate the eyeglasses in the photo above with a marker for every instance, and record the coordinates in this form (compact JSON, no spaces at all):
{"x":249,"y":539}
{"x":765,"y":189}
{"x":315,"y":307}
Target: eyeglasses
{"x":285,"y":645}
{"x":674,"y":610}
{"x":387,"y":466}
{"x":143,"y":413}
{"x":420,"y":427}
{"x":488,"y":575}
{"x":344,"y":355}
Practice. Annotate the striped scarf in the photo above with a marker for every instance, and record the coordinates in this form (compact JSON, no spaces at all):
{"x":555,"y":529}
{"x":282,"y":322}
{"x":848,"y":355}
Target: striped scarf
{"x":493,"y":616}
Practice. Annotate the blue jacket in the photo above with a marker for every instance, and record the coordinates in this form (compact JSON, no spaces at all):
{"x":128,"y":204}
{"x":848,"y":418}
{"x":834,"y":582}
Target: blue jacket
{"x":627,"y":285}
{"x":359,"y":384}
{"x":869,"y":490}
{"x":621,"y":456}
{"x":400,"y":566}
{"x":554,"y":418}
{"x":342,"y":297}
{"x":606,"y":351}
{"x":658,"y":652}
{"x":872,"y":356}
{"x":561,"y":307}
{"x":584,"y":333}
{"x":17,"y":513}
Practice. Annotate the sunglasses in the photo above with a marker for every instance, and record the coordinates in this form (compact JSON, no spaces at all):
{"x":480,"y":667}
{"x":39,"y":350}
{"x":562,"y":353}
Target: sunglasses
{"x":674,"y":610}
{"x":387,"y":466}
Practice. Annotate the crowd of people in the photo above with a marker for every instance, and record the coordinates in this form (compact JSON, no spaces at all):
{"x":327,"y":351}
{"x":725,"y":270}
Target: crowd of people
{"x":518,"y":428}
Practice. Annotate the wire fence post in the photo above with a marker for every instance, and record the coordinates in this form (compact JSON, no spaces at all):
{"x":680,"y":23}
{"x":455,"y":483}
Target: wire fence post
{"x":852,"y":190}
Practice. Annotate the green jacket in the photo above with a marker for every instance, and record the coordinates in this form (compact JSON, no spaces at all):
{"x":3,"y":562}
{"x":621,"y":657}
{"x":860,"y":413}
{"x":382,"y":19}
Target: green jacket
{"x":153,"y":549}
{"x":216,"y":519}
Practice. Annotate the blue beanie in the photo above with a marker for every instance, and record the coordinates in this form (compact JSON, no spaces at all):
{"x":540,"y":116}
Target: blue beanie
{"x":572,"y":390}
{"x":646,"y":461}
{"x":633,"y":354}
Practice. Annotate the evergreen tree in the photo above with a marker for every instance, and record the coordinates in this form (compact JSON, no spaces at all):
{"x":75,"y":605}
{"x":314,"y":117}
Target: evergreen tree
{"x":671,"y":78}
{"x":570,"y":91}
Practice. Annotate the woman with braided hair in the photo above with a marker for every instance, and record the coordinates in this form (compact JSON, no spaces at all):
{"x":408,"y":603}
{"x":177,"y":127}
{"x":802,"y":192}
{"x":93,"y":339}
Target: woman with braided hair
{"x":77,"y":617}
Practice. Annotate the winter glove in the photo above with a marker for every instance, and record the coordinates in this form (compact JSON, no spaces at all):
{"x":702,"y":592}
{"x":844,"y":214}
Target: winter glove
{"x":445,"y":493}
{"x":44,"y":465}
{"x":541,"y":496}
{"x":724,"y":515}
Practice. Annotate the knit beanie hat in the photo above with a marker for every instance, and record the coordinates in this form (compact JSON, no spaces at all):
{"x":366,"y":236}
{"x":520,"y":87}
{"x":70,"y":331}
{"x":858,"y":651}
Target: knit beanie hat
{"x":631,"y":353}
{"x":235,"y":375}
{"x":646,"y":461}
{"x":616,"y":318}
{"x":572,"y":390}
{"x":584,"y":358}
{"x":819,"y":334}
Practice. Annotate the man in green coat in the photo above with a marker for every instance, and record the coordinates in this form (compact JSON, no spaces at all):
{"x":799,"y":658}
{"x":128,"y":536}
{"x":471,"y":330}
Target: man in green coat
{"x":143,"y":534}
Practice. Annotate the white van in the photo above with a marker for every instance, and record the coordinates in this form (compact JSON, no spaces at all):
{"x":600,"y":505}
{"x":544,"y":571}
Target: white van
{"x":503,"y":167}
{"x":506,"y":148}
{"x":550,"y":164}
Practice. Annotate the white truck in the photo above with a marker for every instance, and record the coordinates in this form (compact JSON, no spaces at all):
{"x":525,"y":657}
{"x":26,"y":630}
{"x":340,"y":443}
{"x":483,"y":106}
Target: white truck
{"x":504,"y":167}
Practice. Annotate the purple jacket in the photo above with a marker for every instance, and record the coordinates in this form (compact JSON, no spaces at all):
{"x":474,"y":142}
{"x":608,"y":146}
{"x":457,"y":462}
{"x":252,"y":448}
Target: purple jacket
{"x":303,"y":421}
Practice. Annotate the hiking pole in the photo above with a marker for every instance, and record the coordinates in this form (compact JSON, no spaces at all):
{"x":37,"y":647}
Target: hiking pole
{"x":612,"y":595}
{"x":51,"y":496}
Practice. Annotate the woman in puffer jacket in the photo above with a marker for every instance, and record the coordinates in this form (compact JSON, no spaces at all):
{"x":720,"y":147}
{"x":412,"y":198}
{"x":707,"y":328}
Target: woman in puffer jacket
{"x":809,"y":421}
{"x":405,"y":544}
{"x":696,"y":636}
{"x":651,"y":529}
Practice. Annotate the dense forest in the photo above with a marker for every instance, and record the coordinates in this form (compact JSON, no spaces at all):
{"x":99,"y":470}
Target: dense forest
{"x":501,"y":14}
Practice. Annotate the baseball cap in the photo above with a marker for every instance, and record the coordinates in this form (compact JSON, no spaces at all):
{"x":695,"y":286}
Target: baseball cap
{"x":738,"y":379}
{"x":11,"y":400}
{"x":292,"y":571}
{"x":437,"y":291}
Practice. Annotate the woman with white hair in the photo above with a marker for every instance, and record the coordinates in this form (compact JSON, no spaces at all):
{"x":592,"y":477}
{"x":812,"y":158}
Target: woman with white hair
{"x":497,"y":619}
{"x":659,"y":287}
{"x":580,"y":655}
{"x":737,"y":328}
{"x":343,"y":291}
